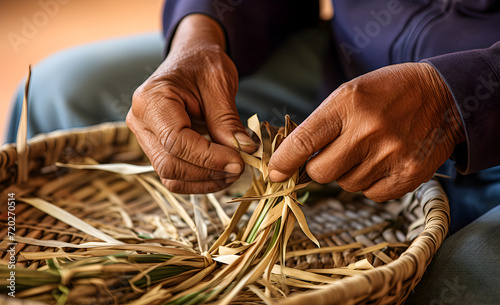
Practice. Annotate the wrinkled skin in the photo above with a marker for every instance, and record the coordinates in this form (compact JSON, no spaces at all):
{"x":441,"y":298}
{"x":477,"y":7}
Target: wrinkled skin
{"x":196,"y":83}
{"x":383,"y":133}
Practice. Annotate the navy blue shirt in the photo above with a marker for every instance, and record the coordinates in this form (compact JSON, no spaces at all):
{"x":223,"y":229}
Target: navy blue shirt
{"x":460,"y":39}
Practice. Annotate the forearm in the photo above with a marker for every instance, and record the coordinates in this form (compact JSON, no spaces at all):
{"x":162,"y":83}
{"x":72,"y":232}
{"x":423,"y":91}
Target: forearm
{"x":253,"y":29}
{"x":199,"y":29}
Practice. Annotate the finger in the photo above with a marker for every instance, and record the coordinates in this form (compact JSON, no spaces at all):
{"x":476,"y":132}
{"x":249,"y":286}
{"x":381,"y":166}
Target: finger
{"x":319,"y":129}
{"x":223,"y":121}
{"x":334,"y":160}
{"x":404,"y":176}
{"x":172,"y":129}
{"x":169,"y":166}
{"x":391,"y":187}
{"x":197,"y":187}
{"x":362,"y":176}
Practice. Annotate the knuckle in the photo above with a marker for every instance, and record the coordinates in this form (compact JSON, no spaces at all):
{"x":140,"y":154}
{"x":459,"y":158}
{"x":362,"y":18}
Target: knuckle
{"x":399,"y":146}
{"x":139,"y":93}
{"x":182,"y":146}
{"x":378,"y":198}
{"x":202,"y":159}
{"x":376,"y":195}
{"x":130,"y":121}
{"x":412,"y":171}
{"x":319,"y":175}
{"x":391,"y":191}
{"x":228,"y":119}
{"x":169,"y":139}
{"x":205,"y":160}
{"x":140,"y":97}
{"x":187,"y":150}
{"x":154,"y":96}
{"x":352,"y":86}
{"x":141,"y":103}
{"x":391,"y":151}
{"x":303,"y":142}
{"x":353,"y":89}
{"x":164,"y":166}
{"x":378,"y":128}
{"x":347,"y":185}
{"x":137,"y":108}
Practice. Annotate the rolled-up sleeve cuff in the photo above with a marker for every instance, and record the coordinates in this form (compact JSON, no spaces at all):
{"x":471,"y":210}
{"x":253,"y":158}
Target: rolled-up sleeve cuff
{"x":175,"y":11}
{"x":475,"y":85}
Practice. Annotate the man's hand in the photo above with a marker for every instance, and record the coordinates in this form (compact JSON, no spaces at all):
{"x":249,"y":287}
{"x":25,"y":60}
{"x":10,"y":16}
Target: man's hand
{"x":196,"y":82}
{"x":383,"y":133}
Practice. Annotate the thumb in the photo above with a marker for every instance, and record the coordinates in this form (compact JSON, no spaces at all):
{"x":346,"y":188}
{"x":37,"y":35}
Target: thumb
{"x":225,"y":126}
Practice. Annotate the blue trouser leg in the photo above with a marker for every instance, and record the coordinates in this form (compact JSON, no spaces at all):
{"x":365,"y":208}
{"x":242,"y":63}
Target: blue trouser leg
{"x":87,"y":85}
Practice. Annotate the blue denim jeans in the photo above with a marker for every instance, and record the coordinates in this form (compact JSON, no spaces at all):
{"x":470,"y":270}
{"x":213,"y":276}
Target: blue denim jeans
{"x":94,"y":83}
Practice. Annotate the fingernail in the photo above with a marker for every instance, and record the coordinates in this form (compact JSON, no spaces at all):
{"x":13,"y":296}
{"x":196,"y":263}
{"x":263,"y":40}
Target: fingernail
{"x":244,"y":140}
{"x":277,"y":176}
{"x":233,"y":168}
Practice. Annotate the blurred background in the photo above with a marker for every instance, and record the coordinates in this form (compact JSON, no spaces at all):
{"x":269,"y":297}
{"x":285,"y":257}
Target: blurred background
{"x":30,"y":30}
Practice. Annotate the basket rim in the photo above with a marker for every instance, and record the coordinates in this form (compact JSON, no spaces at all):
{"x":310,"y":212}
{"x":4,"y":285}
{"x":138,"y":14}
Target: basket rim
{"x":357,"y":287}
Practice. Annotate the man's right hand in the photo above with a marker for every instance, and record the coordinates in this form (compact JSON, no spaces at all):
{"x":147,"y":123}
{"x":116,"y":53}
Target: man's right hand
{"x":196,"y":82}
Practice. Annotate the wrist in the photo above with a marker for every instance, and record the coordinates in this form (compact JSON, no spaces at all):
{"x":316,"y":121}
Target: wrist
{"x":196,"y":30}
{"x":451,"y":118}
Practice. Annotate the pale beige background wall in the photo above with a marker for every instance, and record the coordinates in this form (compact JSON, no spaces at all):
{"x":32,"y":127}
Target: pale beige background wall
{"x":58,"y":24}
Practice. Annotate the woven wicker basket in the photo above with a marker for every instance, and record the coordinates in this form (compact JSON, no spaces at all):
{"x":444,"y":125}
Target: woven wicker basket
{"x":340,"y":218}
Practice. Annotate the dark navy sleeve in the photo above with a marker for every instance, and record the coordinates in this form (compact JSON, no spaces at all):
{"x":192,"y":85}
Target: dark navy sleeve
{"x":254,"y":28}
{"x":473,"y":78}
